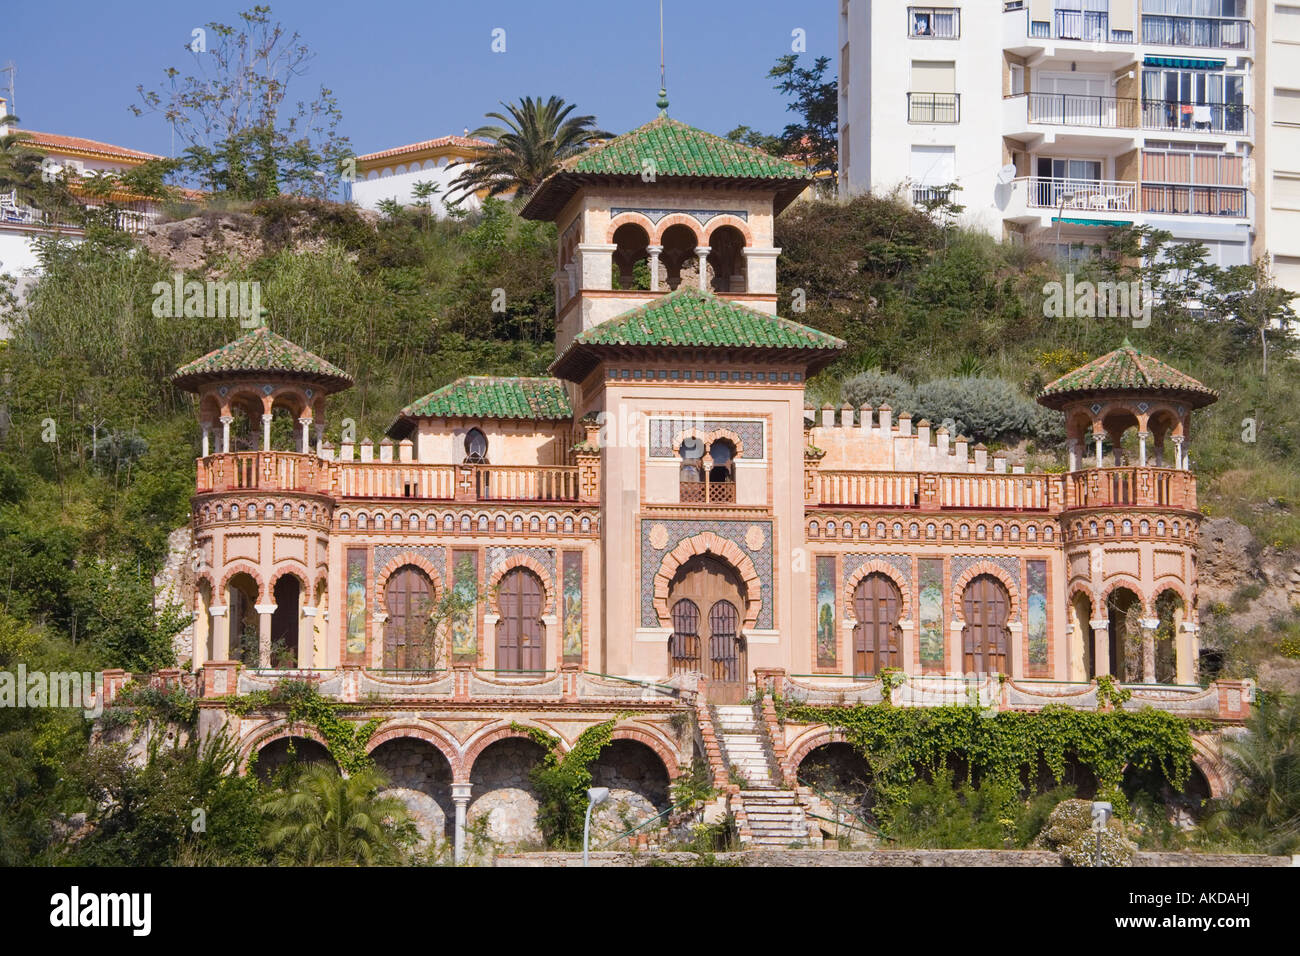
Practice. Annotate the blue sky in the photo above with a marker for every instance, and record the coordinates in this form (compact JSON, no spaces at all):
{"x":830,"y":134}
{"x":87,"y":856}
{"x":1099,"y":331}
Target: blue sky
{"x":406,"y":71}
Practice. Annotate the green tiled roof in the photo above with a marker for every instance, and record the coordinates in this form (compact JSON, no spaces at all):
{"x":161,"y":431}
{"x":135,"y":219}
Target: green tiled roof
{"x":261,"y":350}
{"x":689,"y":318}
{"x":488,"y":396}
{"x":1126,"y":370}
{"x":676,"y":150}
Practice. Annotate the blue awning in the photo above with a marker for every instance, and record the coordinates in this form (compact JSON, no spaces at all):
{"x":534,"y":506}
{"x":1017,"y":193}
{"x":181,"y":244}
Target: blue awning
{"x":1184,"y":63}
{"x":1104,"y":223}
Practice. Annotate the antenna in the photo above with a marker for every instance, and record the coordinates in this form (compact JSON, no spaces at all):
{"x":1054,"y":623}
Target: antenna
{"x":663,"y":83}
{"x":13,"y":72}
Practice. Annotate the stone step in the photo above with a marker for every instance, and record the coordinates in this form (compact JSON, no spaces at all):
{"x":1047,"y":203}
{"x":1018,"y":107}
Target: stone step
{"x":787,"y":797}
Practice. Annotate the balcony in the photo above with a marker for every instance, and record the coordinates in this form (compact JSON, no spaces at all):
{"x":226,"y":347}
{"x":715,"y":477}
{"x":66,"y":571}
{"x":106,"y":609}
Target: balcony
{"x":1173,"y":116}
{"x":933,"y":107}
{"x":1190,"y":200}
{"x":1069,"y":109}
{"x":308,"y":474}
{"x":1080,"y":194}
{"x":14,"y":212}
{"x":1131,"y":487}
{"x":1205,"y":32}
{"x":921,"y":491}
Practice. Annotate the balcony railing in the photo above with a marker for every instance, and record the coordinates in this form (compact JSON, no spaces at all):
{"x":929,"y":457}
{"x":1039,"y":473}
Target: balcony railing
{"x":1131,"y":487}
{"x":1227,"y":34}
{"x":1197,"y":117}
{"x":523,"y":483}
{"x":929,"y":491}
{"x":925,"y":194}
{"x":15,"y":212}
{"x":1189,"y":200}
{"x":933,"y":107}
{"x":1070,"y":109}
{"x":1091,"y":194}
{"x":1085,"y":25}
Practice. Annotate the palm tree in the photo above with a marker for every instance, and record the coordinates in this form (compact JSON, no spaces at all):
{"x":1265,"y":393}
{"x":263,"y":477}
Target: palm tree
{"x":1265,"y":801}
{"x":324,"y":819}
{"x":20,"y":166}
{"x":536,"y":138}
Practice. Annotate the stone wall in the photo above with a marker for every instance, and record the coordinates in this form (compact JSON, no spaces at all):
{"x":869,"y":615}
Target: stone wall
{"x":503,"y":794}
{"x":638,"y":785}
{"x":421,"y":778}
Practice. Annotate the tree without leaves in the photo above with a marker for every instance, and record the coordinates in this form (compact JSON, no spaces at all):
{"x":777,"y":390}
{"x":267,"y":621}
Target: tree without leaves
{"x":245,"y":138}
{"x":535,"y":139}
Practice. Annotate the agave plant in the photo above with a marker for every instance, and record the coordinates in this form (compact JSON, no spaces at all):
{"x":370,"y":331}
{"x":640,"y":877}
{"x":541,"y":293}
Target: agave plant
{"x":324,"y":819}
{"x":536,"y":138}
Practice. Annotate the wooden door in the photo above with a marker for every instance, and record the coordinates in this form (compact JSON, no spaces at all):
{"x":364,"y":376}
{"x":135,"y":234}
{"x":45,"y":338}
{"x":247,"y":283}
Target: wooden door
{"x":520,"y":632}
{"x":986,"y":606}
{"x":876,"y":636}
{"x":684,"y":645}
{"x":406,"y":641}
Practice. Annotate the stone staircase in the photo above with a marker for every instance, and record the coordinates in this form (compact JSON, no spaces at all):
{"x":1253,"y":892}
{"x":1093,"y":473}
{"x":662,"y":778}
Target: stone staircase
{"x":741,"y":737}
{"x":769,"y":817}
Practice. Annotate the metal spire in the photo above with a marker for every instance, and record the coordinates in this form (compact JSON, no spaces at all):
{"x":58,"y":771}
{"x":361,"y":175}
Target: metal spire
{"x":662,"y":102}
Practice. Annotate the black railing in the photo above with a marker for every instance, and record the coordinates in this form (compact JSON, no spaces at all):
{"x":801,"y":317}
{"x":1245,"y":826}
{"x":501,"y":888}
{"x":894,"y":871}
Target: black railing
{"x":1194,"y":200}
{"x":1196,"y":31}
{"x":1196,"y":117}
{"x":1082,"y":25}
{"x":1072,"y":109}
{"x":933,"y":107}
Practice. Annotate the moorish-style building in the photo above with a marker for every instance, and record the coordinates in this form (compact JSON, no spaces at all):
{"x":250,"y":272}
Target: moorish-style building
{"x":663,"y":528}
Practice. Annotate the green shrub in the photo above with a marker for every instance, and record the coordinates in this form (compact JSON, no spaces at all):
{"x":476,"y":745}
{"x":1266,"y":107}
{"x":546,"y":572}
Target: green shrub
{"x":875,"y":388}
{"x":984,"y":409}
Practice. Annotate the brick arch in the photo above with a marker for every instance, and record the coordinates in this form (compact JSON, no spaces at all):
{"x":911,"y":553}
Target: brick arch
{"x":1129,"y":585}
{"x":657,"y":743}
{"x":876,"y":566}
{"x":277,"y":730}
{"x":636,"y":219}
{"x":717,"y":222}
{"x":709,"y":543}
{"x":486,"y":737}
{"x":525,"y":561}
{"x":1210,"y":763}
{"x":304,"y":584}
{"x":996,"y":571}
{"x":243,"y":567}
{"x":678,"y":219}
{"x":1086,"y":591}
{"x":399,"y":729}
{"x":810,"y":740}
{"x":395,"y":564}
{"x":1160,"y":589}
{"x":708,"y":437}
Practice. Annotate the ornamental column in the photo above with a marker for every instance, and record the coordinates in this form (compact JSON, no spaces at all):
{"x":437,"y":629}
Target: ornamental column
{"x":1185,"y":650}
{"x":220,"y":632}
{"x":1100,"y":646}
{"x":1101,"y":461}
{"x":305,"y":425}
{"x":307,"y":638}
{"x":1149,"y":625}
{"x":460,"y":797}
{"x":702,"y":252}
{"x":654,"y":252}
{"x":264,"y":612}
{"x":1180,"y":455}
{"x":266,"y":431}
{"x":207,"y":430}
{"x":1142,"y":448}
{"x":225,"y":433}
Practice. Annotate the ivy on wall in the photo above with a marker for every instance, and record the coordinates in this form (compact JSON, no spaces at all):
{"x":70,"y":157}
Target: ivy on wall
{"x":562,"y":781}
{"x":896,"y":742}
{"x":344,"y":739}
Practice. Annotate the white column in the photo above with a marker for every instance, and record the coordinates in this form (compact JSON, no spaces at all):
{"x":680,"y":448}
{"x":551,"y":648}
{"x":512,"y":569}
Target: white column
{"x":305,"y":424}
{"x":654,"y":252}
{"x":220,"y":632}
{"x":225,"y":432}
{"x":320,"y":435}
{"x":1142,"y":448}
{"x":264,"y":612}
{"x":1149,"y":626}
{"x":760,"y":269}
{"x":460,"y":796}
{"x":266,"y":431}
{"x":1180,"y":453}
{"x":207,"y":429}
{"x":1185,"y":663}
{"x":307,"y":638}
{"x":1101,"y":461}
{"x":1100,"y":646}
{"x":702,"y":252}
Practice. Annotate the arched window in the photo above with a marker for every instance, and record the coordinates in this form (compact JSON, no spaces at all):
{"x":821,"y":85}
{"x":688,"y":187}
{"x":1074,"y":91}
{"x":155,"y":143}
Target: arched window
{"x":520,"y":634}
{"x":407,"y":643}
{"x":876,"y":636}
{"x":691,"y":473}
{"x":684,"y":644}
{"x":476,"y":447}
{"x":986,"y":606}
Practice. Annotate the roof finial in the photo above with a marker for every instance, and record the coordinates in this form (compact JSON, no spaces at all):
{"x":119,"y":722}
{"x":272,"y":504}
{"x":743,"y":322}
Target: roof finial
{"x":662,"y":102}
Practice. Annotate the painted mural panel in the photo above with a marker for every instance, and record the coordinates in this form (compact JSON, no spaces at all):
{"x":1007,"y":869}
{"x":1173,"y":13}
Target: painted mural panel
{"x":826,"y":639}
{"x":930,"y":614}
{"x":356,"y":601}
{"x":573,"y":606}
{"x":1036,"y":619}
{"x":464,"y":627}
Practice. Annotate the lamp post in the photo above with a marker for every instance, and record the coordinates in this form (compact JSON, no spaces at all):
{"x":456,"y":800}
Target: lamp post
{"x":1065,"y":198}
{"x":1101,"y":811}
{"x":595,"y":797}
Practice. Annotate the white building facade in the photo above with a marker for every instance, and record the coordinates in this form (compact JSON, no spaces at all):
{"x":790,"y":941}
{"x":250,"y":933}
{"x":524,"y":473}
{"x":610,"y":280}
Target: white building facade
{"x":1059,"y":119}
{"x":1278,"y":149}
{"x":395,"y":173}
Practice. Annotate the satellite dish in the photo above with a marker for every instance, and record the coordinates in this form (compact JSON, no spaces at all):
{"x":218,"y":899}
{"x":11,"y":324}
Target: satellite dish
{"x":1007,"y":173}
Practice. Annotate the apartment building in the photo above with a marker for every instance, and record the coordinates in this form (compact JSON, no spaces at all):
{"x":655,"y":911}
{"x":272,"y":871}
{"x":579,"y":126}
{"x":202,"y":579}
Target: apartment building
{"x":1060,"y":119}
{"x":1277,"y":150}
